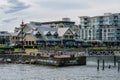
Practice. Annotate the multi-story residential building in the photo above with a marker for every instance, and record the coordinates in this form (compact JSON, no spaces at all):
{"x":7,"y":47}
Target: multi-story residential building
{"x":104,"y":28}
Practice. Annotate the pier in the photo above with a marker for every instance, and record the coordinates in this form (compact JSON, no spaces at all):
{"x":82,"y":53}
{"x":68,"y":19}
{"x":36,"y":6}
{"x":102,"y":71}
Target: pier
{"x":62,"y":60}
{"x":58,"y":58}
{"x":47,"y":59}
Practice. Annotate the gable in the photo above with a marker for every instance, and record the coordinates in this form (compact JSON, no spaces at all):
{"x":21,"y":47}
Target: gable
{"x":61,"y":31}
{"x":29,"y":37}
{"x":68,"y":32}
{"x":26,"y":29}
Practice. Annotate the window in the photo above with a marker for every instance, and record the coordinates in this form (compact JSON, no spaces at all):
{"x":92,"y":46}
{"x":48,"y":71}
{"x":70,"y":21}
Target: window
{"x":65,"y":36}
{"x":38,"y":35}
{"x":108,"y":30}
{"x":56,"y":35}
{"x":32,"y":42}
{"x":48,"y":34}
{"x":90,"y":31}
{"x":104,"y":30}
{"x":71,"y":37}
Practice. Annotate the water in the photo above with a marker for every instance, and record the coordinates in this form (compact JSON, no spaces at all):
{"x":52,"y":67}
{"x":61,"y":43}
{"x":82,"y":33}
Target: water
{"x":38,"y":72}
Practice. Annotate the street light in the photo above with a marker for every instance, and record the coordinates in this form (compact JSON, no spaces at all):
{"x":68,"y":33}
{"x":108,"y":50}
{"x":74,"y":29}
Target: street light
{"x":22,"y":26}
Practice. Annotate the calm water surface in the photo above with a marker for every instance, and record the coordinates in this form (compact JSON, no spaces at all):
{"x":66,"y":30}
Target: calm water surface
{"x":38,"y":72}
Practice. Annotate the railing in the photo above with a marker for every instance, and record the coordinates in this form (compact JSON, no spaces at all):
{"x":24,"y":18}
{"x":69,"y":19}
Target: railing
{"x":101,"y":53}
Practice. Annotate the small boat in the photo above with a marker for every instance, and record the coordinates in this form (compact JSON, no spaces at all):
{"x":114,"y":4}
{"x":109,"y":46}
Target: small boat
{"x":8,"y":60}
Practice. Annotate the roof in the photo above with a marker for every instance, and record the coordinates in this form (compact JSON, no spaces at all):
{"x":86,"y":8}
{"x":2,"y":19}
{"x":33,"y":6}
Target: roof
{"x":61,"y":31}
{"x":35,"y":32}
{"x":56,"y":22}
{"x":53,"y":32}
{"x":45,"y":32}
{"x":13,"y":34}
{"x":4,"y":33}
{"x":32,"y":26}
{"x":44,"y":29}
{"x":84,"y":17}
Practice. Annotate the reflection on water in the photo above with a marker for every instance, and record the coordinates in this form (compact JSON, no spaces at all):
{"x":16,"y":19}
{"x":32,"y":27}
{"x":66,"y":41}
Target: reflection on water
{"x":38,"y":72}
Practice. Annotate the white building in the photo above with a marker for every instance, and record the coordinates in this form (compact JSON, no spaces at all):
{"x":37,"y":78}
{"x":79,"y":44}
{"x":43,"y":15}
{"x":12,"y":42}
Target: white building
{"x":104,"y":28}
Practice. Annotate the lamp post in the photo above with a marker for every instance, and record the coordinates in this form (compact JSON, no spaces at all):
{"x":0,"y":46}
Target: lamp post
{"x":22,"y":26}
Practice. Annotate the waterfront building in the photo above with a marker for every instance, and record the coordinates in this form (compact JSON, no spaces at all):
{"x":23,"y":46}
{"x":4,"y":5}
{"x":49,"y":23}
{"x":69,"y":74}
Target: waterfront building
{"x":4,"y":37}
{"x":105,"y":29}
{"x":35,"y":33}
{"x":65,"y":22}
{"x":14,"y":39}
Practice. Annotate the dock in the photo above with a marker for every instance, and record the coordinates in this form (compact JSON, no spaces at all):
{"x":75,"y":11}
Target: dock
{"x":62,"y":60}
{"x":43,"y":59}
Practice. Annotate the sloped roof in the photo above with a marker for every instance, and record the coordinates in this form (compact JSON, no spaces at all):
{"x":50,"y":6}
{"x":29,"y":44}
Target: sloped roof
{"x":53,"y":32}
{"x":43,"y":29}
{"x":45,"y":32}
{"x":35,"y":32}
{"x":13,"y":34}
{"x":29,"y":31}
{"x":4,"y":33}
{"x":61,"y":31}
{"x":32,"y":26}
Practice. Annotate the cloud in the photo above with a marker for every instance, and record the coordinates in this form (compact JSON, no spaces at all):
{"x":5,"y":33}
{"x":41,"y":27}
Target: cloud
{"x":13,"y":6}
{"x":64,"y":5}
{"x":8,"y":20}
{"x":13,"y":11}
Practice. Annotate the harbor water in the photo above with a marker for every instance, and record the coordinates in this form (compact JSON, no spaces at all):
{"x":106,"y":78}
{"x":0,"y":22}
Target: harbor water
{"x":39,"y":72}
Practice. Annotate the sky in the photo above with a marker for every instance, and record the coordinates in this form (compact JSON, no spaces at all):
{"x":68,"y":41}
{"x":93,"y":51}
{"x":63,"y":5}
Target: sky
{"x":12,"y":12}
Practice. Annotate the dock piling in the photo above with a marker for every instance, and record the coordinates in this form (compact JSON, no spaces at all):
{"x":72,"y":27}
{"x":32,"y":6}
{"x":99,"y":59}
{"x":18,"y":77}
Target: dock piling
{"x":114,"y":61}
{"x":103,"y":65}
{"x":118,"y":66}
{"x":98,"y":64}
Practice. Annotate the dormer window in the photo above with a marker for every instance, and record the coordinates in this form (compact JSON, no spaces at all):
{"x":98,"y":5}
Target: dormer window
{"x":48,"y":34}
{"x":38,"y":35}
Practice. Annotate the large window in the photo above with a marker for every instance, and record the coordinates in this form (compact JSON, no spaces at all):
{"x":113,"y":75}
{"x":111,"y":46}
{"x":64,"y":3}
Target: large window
{"x":38,"y":35}
{"x":48,"y":34}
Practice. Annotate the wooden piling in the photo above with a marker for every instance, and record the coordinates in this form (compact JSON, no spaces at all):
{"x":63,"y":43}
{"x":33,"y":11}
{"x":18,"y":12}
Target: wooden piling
{"x":103,"y":65}
{"x":114,"y":61}
{"x":98,"y":64}
{"x":118,"y":66}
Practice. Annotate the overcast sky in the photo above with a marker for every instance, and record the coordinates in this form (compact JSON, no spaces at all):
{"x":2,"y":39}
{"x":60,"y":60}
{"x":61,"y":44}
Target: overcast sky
{"x":13,"y":11}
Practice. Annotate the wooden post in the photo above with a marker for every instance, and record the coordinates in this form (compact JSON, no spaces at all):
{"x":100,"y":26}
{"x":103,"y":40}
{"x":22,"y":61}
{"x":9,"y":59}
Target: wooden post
{"x":103,"y":65}
{"x":114,"y":61}
{"x":118,"y":66}
{"x":98,"y":64}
